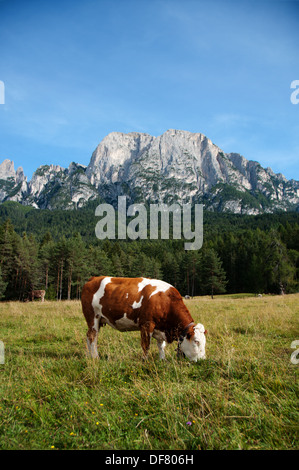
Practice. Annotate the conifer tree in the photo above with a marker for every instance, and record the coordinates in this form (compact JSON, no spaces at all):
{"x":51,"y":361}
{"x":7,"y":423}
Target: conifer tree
{"x":213,"y":278}
{"x":3,"y":285}
{"x":170,"y":268}
{"x":280,"y":271}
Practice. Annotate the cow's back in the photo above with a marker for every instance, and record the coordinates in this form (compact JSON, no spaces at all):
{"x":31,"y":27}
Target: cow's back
{"x":128,"y":303}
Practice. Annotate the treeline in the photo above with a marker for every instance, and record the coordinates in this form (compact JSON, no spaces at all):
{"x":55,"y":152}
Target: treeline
{"x":57,"y":222}
{"x":233,"y":260}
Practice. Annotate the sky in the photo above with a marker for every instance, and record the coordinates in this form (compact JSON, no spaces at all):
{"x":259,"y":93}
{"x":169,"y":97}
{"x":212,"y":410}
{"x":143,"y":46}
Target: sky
{"x":75,"y":70}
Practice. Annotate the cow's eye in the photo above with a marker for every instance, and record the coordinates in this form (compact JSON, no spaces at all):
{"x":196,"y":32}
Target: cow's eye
{"x":197,"y":343}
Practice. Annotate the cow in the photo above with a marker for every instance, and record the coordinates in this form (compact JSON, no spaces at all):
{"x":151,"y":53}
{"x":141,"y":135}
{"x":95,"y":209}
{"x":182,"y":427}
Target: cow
{"x":153,"y":307}
{"x":39,"y":294}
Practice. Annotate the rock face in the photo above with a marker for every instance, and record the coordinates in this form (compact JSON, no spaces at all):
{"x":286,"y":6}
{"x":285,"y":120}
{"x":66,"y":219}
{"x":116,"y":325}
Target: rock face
{"x":54,"y":187}
{"x":51,"y":186}
{"x":186,"y":167}
{"x":13,"y":184}
{"x":178,"y":166}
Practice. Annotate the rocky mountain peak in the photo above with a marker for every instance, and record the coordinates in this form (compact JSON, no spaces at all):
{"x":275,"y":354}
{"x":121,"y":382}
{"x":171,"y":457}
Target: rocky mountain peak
{"x":177,"y":166}
{"x":7,"y":171}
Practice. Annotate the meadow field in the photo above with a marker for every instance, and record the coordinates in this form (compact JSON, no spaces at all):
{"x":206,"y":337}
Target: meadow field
{"x":243,"y":396}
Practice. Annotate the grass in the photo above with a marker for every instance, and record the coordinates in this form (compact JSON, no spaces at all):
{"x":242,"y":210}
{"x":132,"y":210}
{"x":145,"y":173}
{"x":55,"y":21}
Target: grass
{"x":243,"y":396}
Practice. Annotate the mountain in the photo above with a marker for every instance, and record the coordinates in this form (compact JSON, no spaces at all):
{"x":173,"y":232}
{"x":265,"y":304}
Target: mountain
{"x":178,"y":166}
{"x":13,"y":184}
{"x":54,"y":187}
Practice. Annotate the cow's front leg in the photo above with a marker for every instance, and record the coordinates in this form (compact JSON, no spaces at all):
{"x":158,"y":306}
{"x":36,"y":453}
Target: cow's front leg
{"x":146,"y":331}
{"x":161,"y":341}
{"x":161,"y":347}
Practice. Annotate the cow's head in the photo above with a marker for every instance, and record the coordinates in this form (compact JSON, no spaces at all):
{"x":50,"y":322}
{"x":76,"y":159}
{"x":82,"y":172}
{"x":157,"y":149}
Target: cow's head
{"x":193,"y":344}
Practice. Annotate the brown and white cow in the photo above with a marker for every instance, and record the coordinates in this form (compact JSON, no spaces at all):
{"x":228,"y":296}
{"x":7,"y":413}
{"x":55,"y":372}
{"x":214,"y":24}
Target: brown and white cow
{"x":154,"y":307}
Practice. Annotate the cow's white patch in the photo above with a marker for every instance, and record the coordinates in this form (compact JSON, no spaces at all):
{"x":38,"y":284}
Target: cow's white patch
{"x":161,"y":286}
{"x":96,"y":300}
{"x":127,"y":295}
{"x":125,"y":324}
{"x":195,"y":348}
{"x":137,"y":304}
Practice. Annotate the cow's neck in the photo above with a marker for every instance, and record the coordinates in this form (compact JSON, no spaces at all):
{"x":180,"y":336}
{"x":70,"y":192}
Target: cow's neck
{"x":181,"y":325}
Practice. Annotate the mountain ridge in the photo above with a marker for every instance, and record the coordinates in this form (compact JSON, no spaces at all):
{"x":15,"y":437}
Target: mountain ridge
{"x":177,"y":166}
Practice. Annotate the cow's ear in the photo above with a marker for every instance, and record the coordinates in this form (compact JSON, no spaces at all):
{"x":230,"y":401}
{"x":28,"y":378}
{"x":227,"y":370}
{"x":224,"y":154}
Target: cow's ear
{"x":205,"y":332}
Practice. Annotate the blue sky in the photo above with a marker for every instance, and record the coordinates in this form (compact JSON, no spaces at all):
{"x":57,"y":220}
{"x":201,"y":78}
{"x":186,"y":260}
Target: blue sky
{"x":76,"y":70}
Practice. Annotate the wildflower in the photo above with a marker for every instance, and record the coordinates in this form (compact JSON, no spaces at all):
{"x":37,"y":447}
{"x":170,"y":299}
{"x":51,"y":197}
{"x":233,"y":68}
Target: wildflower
{"x":189,"y":423}
{"x":52,"y":447}
{"x":72,"y":434}
{"x":101,"y":404}
{"x":97,"y":423}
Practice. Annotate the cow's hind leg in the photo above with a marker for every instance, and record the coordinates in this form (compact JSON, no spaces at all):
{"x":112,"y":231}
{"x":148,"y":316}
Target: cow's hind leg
{"x":92,"y":338}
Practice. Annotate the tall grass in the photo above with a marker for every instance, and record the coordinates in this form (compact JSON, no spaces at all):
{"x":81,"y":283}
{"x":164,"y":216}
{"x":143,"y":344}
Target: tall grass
{"x":243,"y":396}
